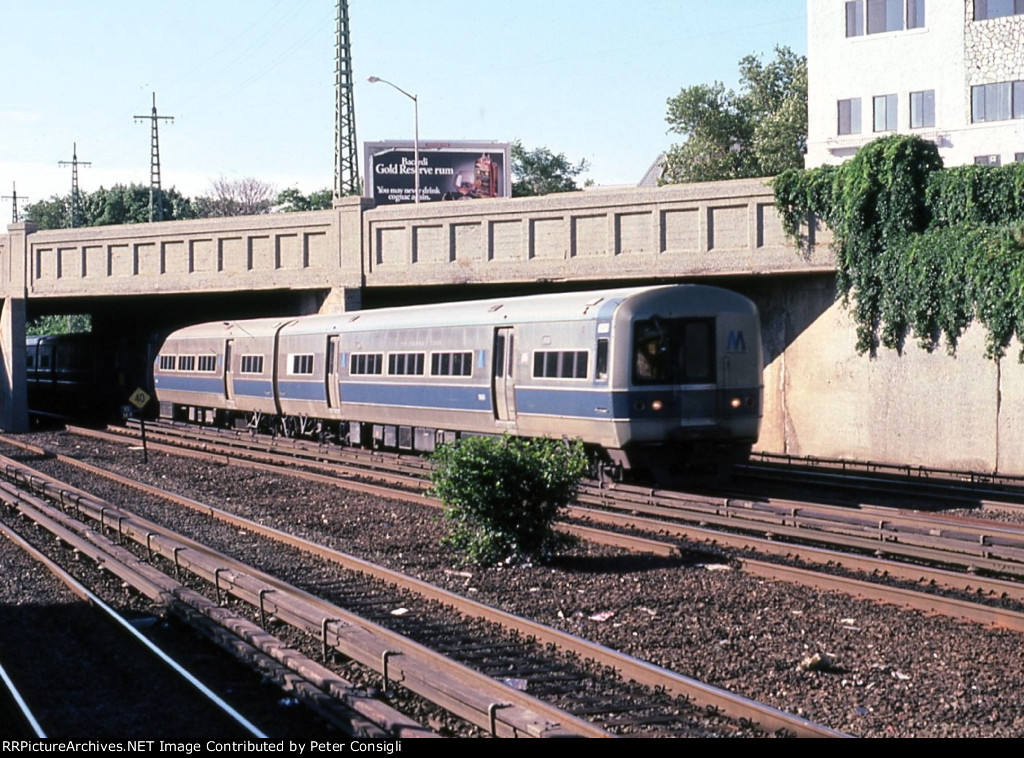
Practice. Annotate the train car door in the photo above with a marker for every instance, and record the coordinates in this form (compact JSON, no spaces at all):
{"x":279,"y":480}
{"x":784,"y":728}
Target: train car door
{"x":229,"y":376}
{"x":333,"y":378}
{"x":503,"y":388}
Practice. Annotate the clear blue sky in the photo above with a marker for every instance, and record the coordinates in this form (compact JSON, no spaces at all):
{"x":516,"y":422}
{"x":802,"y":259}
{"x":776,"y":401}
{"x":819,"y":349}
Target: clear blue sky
{"x":251,"y":84}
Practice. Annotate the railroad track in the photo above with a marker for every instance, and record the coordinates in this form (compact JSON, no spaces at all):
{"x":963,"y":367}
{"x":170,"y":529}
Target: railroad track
{"x":984,"y":558}
{"x":56,"y":687}
{"x":742,"y":710}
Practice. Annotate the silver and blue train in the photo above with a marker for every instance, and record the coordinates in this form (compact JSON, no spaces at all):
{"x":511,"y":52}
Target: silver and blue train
{"x":654,"y":377}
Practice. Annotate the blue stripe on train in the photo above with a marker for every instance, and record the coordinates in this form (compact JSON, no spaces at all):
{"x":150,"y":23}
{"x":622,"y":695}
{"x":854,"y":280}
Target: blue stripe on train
{"x":543,"y":401}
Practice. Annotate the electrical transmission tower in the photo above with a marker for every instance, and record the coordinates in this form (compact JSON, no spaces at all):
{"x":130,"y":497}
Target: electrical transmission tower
{"x":13,"y":197}
{"x":346,"y":164}
{"x":74,"y":163}
{"x":156,"y":206}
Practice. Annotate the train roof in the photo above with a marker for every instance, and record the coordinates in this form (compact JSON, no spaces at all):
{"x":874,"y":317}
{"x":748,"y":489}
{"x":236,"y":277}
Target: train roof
{"x":562,"y":306}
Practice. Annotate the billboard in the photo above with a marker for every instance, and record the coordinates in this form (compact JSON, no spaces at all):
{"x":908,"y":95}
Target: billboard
{"x":448,"y":171}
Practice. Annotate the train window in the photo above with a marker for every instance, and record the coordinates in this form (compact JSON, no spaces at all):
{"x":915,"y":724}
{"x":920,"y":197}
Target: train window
{"x":673,"y":351}
{"x":560,"y":364}
{"x":168,"y":362}
{"x":207,"y":363}
{"x":367,"y":363}
{"x":302,"y":364}
{"x":405,"y":364}
{"x":451,"y":364}
{"x":186,"y":363}
{"x":499,"y":355}
{"x":251,"y":364}
{"x":602,"y":359}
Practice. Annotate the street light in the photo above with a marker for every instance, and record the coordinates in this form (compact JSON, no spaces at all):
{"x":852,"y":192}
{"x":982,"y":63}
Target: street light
{"x":416,"y":132}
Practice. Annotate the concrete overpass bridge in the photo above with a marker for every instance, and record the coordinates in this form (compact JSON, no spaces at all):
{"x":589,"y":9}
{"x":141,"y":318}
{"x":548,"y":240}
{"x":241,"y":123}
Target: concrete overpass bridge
{"x":821,"y":397}
{"x":717,"y":229}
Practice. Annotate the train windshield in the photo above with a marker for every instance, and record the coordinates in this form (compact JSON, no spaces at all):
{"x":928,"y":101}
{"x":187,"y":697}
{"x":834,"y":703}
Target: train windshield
{"x":674,"y":351}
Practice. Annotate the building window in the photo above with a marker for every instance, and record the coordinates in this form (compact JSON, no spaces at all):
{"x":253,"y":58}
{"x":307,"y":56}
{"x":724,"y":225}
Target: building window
{"x":849,"y":116}
{"x":855,"y":18}
{"x":997,"y":102}
{"x":922,"y":109}
{"x":884,"y":16}
{"x":251,"y":364}
{"x":1018,"y":157}
{"x":986,"y":160}
{"x":984,"y":9}
{"x":885,"y":113}
{"x":915,"y":14}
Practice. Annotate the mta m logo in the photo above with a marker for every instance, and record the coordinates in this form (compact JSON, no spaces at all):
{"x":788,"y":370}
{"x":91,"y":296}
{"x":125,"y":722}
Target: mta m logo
{"x":736,"y":342}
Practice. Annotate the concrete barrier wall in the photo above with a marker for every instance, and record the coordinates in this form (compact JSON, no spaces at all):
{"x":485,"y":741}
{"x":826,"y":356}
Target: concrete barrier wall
{"x":285,"y":250}
{"x":822,"y":398}
{"x":720,"y":228}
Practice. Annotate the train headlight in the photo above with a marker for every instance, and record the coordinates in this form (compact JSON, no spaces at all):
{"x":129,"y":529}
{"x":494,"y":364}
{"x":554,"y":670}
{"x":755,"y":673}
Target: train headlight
{"x":735,"y":403}
{"x":656,"y":405}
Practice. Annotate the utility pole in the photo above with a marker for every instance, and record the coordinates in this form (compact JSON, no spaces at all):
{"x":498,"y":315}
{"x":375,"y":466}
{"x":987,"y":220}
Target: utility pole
{"x":74,"y":163}
{"x":156,"y":207}
{"x":13,"y":197}
{"x":346,"y":162}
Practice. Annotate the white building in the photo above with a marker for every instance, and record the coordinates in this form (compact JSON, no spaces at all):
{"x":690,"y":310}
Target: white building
{"x":951,"y":71}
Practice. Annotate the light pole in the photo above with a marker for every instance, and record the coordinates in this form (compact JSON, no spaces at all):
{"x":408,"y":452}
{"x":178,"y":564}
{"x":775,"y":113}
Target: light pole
{"x":416,"y":132}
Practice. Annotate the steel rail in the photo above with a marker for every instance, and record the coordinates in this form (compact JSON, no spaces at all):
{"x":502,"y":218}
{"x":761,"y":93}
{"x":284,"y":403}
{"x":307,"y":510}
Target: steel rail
{"x":26,"y":719}
{"x":479,"y":699}
{"x":338,"y":701}
{"x":981,"y":541}
{"x":874,"y":562}
{"x":734,"y":706}
{"x":882,"y":593}
{"x":92,"y":599}
{"x":991,"y":547}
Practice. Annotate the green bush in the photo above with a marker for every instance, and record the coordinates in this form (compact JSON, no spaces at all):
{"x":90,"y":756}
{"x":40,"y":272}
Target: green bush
{"x":501,"y":495}
{"x":920,"y":250}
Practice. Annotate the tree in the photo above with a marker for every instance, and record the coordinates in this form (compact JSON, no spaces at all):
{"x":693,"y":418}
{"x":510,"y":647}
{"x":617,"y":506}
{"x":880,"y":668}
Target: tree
{"x":761,"y":131}
{"x":541,"y":172}
{"x":121,"y":204}
{"x":49,"y":214}
{"x":292,"y":200}
{"x":73,"y":323}
{"x":501,"y":494}
{"x":241,"y":197}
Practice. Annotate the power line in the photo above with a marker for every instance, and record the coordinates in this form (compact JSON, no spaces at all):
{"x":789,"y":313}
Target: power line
{"x":155,"y":200}
{"x":74,"y":163}
{"x":346,"y":164}
{"x":13,"y":197}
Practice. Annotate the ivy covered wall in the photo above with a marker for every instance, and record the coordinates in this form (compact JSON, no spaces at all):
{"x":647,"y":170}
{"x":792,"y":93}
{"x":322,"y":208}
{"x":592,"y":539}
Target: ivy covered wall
{"x":921,"y":251}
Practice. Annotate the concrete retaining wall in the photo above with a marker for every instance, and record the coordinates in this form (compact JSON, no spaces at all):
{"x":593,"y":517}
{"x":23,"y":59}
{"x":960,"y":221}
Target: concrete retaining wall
{"x":822,"y":398}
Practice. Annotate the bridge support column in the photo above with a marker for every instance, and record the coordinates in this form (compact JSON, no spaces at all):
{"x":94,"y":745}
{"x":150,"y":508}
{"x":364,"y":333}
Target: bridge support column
{"x":348,"y":279}
{"x":342,"y":300}
{"x":13,"y":387}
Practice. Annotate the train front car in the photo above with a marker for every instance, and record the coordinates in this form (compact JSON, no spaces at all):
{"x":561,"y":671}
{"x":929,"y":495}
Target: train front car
{"x":688,"y":377}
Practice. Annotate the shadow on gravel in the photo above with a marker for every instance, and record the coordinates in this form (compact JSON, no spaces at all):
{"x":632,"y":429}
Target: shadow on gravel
{"x":626,"y":564}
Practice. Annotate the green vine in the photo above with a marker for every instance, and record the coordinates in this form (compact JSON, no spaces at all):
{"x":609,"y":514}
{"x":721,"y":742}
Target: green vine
{"x":920,"y":250}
